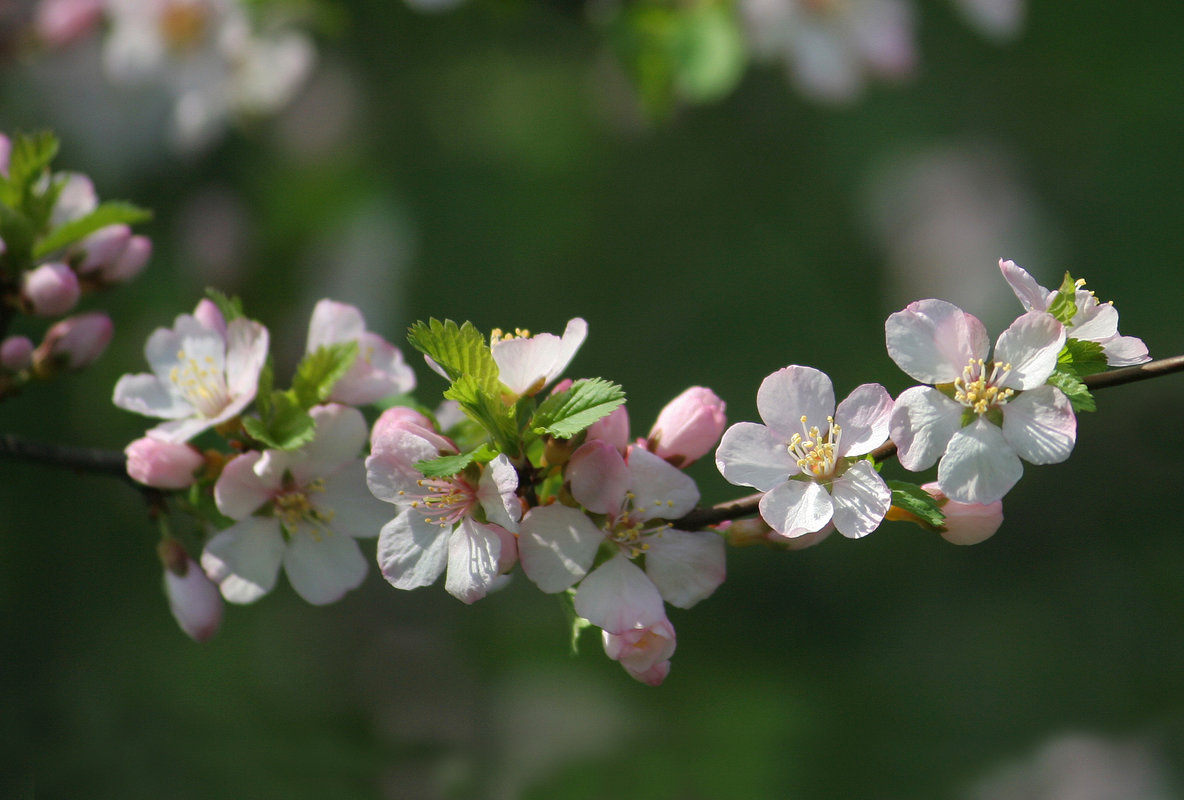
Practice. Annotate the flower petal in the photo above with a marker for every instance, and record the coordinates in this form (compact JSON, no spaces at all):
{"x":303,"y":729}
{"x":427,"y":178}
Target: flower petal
{"x":1040,"y":425}
{"x":792,"y":393}
{"x":922,"y":422}
{"x":1032,"y":296}
{"x":246,"y":351}
{"x":244,"y":559}
{"x":751,"y":454}
{"x":350,"y":507}
{"x":333,"y":322}
{"x":979,"y":465}
{"x":323,"y":565}
{"x":239,"y":491}
{"x":863,"y":417}
{"x":797,"y":507}
{"x":599,"y":477}
{"x":497,"y":493}
{"x":1094,"y":321}
{"x":411,"y":551}
{"x":473,"y":555}
{"x":619,"y":597}
{"x":686,"y":566}
{"x":932,"y":340}
{"x":660,"y":491}
{"x":1125,"y":351}
{"x":556,"y":546}
{"x":341,"y":432}
{"x":861,"y":500}
{"x":1030,"y":345}
{"x":146,"y":394}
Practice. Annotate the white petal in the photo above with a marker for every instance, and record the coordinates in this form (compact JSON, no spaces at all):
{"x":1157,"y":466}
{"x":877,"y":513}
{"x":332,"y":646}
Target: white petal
{"x":341,"y":433}
{"x":180,"y":431}
{"x":334,"y":322}
{"x":932,"y":340}
{"x":598,"y":476}
{"x":1030,"y":345}
{"x":750,"y":454}
{"x":497,"y":492}
{"x":526,"y":365}
{"x":863,"y":417}
{"x":557,"y":545}
{"x":322,"y":566}
{"x":861,"y":500}
{"x":146,"y":394}
{"x":1032,"y":296}
{"x":619,"y":597}
{"x":660,"y":491}
{"x":797,"y":507}
{"x":922,"y":422}
{"x":473,"y":554}
{"x":239,"y":491}
{"x":412,"y":552}
{"x":379,"y":371}
{"x":1125,"y":351}
{"x":574,"y":335}
{"x":244,"y":559}
{"x":348,"y":504}
{"x":686,"y":566}
{"x":246,"y":351}
{"x":979,"y":465}
{"x":1094,"y":321}
{"x":792,"y":393}
{"x":1040,"y":425}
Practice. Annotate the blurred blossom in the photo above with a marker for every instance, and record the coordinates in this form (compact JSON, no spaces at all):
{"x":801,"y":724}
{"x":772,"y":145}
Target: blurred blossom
{"x":214,"y":234}
{"x":321,"y":122}
{"x":15,"y":353}
{"x":163,"y":465}
{"x":61,"y":22}
{"x":997,"y":19}
{"x":831,"y":47}
{"x":76,"y":341}
{"x":194,"y":600}
{"x":1079,"y":767}
{"x":50,"y":290}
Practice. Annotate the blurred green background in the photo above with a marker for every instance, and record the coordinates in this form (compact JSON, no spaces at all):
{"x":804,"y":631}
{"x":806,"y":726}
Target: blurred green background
{"x":490,"y":164}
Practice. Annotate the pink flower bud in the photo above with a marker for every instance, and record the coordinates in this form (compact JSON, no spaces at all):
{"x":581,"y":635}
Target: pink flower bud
{"x":77,"y":341}
{"x":5,"y":152}
{"x":162,"y":465}
{"x":689,"y":426}
{"x":207,"y":314}
{"x":15,"y":353}
{"x":193,"y":598}
{"x":643,"y":652}
{"x":131,"y":261}
{"x":102,"y":248}
{"x":966,"y":523}
{"x":50,"y":289}
{"x":398,"y":420}
{"x":613,"y":429}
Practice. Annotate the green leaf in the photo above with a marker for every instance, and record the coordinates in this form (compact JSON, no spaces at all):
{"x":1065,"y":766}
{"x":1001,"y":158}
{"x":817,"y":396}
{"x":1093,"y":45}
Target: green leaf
{"x":918,"y":502}
{"x":320,"y":370}
{"x":263,"y":390}
{"x":1084,"y":358}
{"x":1064,"y":305}
{"x":487,"y":410}
{"x":565,"y":414}
{"x":459,"y":350}
{"x":18,"y":232}
{"x":1067,"y":381}
{"x":110,"y":213}
{"x":575,"y":623}
{"x":708,"y":52}
{"x":231,"y":306}
{"x":289,"y":427}
{"x":29,"y":157}
{"x":447,"y":466}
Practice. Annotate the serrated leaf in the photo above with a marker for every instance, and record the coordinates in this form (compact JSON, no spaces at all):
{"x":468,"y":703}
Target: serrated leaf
{"x":447,"y":466}
{"x":565,"y":414}
{"x":1084,"y":358}
{"x":459,"y":350}
{"x":918,"y":502}
{"x":111,"y":213}
{"x":1064,"y":379}
{"x":1064,"y":305}
{"x":29,"y":157}
{"x":320,"y":370}
{"x":289,"y":427}
{"x":487,"y":410}
{"x":231,"y":306}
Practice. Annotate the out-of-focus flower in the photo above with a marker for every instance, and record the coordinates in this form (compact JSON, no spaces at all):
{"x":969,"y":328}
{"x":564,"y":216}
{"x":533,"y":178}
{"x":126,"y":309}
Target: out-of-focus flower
{"x":644,"y":652}
{"x":16,"y":353}
{"x":73,"y":343}
{"x":193,"y":598}
{"x":112,"y":254}
{"x":806,"y":457}
{"x":200,"y":376}
{"x":528,"y":363}
{"x":51,"y":289}
{"x":1000,"y":411}
{"x":379,"y":370}
{"x":998,"y":19}
{"x":688,"y":427}
{"x":315,"y":504}
{"x":62,"y":22}
{"x":163,"y":465}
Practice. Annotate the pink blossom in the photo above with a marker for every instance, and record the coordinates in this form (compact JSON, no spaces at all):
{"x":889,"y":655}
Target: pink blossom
{"x":644,"y":652}
{"x":5,"y":153}
{"x":62,"y":22}
{"x":163,"y":465}
{"x":74,"y":342}
{"x":528,"y":363}
{"x":194,"y":601}
{"x":688,"y":427}
{"x":113,"y":254}
{"x":378,"y":371}
{"x":16,"y":352}
{"x":51,"y":289}
{"x":966,"y":523}
{"x":613,"y":428}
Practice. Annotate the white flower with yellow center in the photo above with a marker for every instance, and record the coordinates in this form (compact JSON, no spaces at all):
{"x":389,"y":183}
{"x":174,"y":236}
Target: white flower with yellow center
{"x":807,"y":457}
{"x":526,"y":363}
{"x":204,"y":373}
{"x":979,"y":415}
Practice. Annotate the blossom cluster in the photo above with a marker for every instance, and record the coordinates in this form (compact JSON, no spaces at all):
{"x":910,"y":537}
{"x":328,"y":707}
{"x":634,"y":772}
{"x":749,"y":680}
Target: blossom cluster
{"x":520,"y":467}
{"x":57,"y":243}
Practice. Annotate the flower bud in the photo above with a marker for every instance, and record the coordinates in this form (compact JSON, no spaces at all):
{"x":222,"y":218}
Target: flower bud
{"x":162,"y":465}
{"x":613,"y":429}
{"x":643,"y":652}
{"x":101,"y":248}
{"x":689,"y":426}
{"x":966,"y":523}
{"x":131,"y":261}
{"x":16,"y":352}
{"x":400,"y":419}
{"x":193,"y":598}
{"x":73,"y":343}
{"x":5,"y":152}
{"x":50,"y":289}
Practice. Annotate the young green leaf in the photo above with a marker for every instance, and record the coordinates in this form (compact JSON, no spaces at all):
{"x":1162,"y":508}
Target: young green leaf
{"x":1067,"y":381}
{"x":320,"y":370}
{"x":565,"y":414}
{"x":1083,"y":358}
{"x":110,"y":213}
{"x":263,"y":390}
{"x":447,"y":466}
{"x":486,"y":409}
{"x":29,"y":157}
{"x":918,"y":502}
{"x":459,"y":350}
{"x":1064,"y":305}
{"x":289,"y":427}
{"x":231,"y":306}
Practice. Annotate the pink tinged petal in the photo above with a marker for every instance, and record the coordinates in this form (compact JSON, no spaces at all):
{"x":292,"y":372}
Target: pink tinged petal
{"x":412,"y":552}
{"x":244,"y":560}
{"x":921,"y":424}
{"x":1094,"y":321}
{"x":1032,"y":296}
{"x":207,"y":314}
{"x":613,"y":429}
{"x":863,"y":417}
{"x":394,"y":480}
{"x":618,"y":597}
{"x":861,"y":499}
{"x":641,"y":649}
{"x":803,"y":541}
{"x":348,"y":504}
{"x":473,"y":561}
{"x":333,"y":322}
{"x":146,"y":394}
{"x":341,"y":433}
{"x":379,"y":371}
{"x":246,"y":351}
{"x":508,"y":553}
{"x":598,"y":477}
{"x":194,"y":601}
{"x":1039,"y":424}
{"x":131,"y":261}
{"x":652,"y":676}
{"x":967,"y":523}
{"x":932,"y":340}
{"x":792,"y":393}
{"x":75,"y":199}
{"x":659,"y":490}
{"x":1030,"y":345}
{"x":163,"y":465}
{"x":323,"y":565}
{"x":51,"y":289}
{"x":689,"y":426}
{"x":497,"y":493}
{"x":240,"y":491}
{"x":1125,"y":351}
{"x":979,"y":465}
{"x":797,"y":507}
{"x":556,"y":546}
{"x":395,"y":425}
{"x":754,"y":455}
{"x":686,"y":566}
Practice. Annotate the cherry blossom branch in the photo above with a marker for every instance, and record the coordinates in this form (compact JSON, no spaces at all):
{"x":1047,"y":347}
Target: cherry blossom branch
{"x":80,"y":459}
{"x":747,"y":506}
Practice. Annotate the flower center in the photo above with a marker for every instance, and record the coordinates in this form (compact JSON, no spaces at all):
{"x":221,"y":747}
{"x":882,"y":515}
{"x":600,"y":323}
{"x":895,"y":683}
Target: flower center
{"x":203,"y":384}
{"x":816,"y":454}
{"x":292,"y":507}
{"x":979,"y":387}
{"x":629,"y":530}
{"x":444,"y":502}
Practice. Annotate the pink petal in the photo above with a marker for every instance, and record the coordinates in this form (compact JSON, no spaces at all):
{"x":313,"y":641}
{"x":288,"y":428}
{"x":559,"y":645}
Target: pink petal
{"x":932,"y":340}
{"x":1125,"y":351}
{"x":598,"y":477}
{"x":244,"y":560}
{"x":1032,"y":296}
{"x":863,"y":417}
{"x":497,"y":493}
{"x":618,"y":597}
{"x":240,"y":491}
